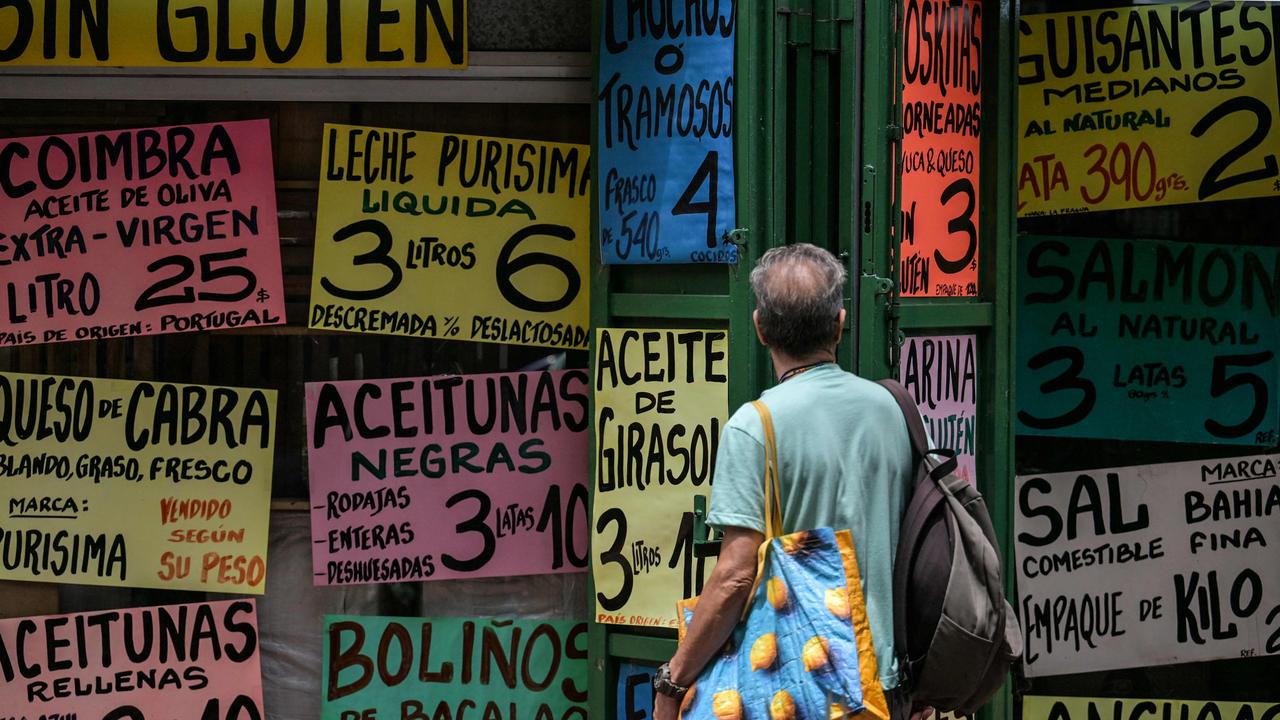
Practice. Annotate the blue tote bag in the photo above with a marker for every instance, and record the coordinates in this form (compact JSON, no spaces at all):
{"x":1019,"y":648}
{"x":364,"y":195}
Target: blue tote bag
{"x":803,"y":650}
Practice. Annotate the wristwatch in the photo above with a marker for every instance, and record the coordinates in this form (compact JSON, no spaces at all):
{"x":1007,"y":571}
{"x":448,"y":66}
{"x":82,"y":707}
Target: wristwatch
{"x":662,"y":683}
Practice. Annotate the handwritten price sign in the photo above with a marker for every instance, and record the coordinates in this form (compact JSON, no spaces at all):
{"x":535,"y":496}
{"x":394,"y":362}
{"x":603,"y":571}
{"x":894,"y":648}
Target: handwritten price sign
{"x":661,"y":395}
{"x":941,"y":119}
{"x":665,"y":120}
{"x":1151,"y":105}
{"x":452,"y":236}
{"x":1148,"y":340}
{"x":483,"y":476}
{"x":138,"y":232}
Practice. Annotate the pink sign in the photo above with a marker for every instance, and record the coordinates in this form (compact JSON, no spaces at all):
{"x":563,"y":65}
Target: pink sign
{"x":448,"y":476}
{"x":138,"y":232}
{"x":941,"y":372}
{"x":173,"y":662}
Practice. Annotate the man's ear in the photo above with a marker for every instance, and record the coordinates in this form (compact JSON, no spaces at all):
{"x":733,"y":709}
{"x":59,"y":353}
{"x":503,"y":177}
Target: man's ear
{"x":840,"y":325}
{"x":755,"y":320}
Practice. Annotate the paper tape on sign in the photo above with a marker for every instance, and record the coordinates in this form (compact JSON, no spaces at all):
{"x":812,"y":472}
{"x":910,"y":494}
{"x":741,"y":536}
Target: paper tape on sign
{"x":661,"y":399}
{"x":235,"y":34}
{"x":173,"y":662}
{"x":138,"y":232}
{"x":1149,"y":565}
{"x":941,"y":121}
{"x":452,"y":236}
{"x":1148,"y":340}
{"x":665,"y":132}
{"x":135,"y":484}
{"x":1158,"y":104}
{"x":431,"y":668}
{"x":1084,"y":708}
{"x":448,"y":477}
{"x":941,"y":373}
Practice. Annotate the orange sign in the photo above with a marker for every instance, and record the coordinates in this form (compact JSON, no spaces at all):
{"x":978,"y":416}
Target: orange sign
{"x":941,"y":111}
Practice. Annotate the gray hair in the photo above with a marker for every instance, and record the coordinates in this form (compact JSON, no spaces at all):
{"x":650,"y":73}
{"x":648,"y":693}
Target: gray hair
{"x":799,"y":294}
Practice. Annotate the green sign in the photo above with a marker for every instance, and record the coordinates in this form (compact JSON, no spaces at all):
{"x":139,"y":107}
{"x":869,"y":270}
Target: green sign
{"x":1148,"y":340}
{"x":395,"y":668}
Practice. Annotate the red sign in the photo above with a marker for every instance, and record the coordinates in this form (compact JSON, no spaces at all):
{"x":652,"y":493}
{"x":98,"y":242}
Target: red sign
{"x":941,"y":120}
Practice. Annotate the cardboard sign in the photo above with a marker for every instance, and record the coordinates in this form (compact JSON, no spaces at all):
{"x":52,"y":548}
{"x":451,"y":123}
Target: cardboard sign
{"x":941,"y":124}
{"x":941,"y":373}
{"x":634,"y":691}
{"x":452,"y":236}
{"x":135,"y":484}
{"x":448,"y":477}
{"x":236,"y":33}
{"x":1148,"y":340}
{"x":1150,"y":105}
{"x":426,"y":668}
{"x":661,"y":399}
{"x":173,"y":662}
{"x":665,"y":133}
{"x":1149,"y":565}
{"x":138,"y":232}
{"x":1079,"y":708}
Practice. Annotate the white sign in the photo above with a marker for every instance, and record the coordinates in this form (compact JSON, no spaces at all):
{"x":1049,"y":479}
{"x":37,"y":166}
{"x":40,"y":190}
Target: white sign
{"x":1149,"y":565}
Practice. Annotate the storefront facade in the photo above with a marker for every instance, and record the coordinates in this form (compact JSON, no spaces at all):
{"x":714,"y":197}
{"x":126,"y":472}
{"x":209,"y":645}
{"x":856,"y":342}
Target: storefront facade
{"x":488,"y":189}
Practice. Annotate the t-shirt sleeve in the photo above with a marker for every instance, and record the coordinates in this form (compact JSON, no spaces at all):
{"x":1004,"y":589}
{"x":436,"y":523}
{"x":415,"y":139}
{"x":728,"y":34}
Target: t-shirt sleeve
{"x":737,"y":489}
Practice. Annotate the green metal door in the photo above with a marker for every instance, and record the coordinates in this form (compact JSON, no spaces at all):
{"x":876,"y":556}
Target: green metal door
{"x":816,"y":155}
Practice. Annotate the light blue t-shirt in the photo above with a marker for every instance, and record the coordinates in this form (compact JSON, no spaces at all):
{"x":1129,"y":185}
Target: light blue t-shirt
{"x":844,"y":461}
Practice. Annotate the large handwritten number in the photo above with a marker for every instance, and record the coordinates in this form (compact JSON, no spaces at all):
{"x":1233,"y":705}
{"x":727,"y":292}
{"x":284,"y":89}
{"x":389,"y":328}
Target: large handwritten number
{"x":476,"y":524}
{"x":613,"y":556}
{"x":577,"y":503}
{"x":708,"y":172}
{"x":209,"y":273}
{"x":1220,"y":384}
{"x":562,"y":525}
{"x":1213,"y":182}
{"x":961,"y":223}
{"x":1069,"y":380}
{"x":507,"y":268}
{"x":379,"y":255}
{"x":125,"y":712}
{"x":151,"y":297}
{"x":186,"y":268}
{"x":684,"y":553}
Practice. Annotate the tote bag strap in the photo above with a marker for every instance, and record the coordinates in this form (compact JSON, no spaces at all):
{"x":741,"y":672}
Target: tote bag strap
{"x":772,"y":496}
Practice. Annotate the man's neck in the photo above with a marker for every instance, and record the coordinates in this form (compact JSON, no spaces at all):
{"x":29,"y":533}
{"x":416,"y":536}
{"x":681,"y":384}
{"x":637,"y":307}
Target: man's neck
{"x":783,"y":364}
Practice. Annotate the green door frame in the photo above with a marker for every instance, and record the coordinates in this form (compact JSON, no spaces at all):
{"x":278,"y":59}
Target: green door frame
{"x":816,"y":153}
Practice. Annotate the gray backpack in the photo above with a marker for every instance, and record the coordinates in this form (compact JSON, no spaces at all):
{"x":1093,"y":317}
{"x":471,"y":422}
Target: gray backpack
{"x":956,"y":635}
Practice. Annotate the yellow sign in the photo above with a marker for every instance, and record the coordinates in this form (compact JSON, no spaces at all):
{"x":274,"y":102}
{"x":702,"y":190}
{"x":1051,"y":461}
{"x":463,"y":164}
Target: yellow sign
{"x":1150,"y":105}
{"x":452,"y":236}
{"x":1081,"y":708}
{"x":235,"y":33}
{"x":661,"y":399}
{"x":135,"y":484}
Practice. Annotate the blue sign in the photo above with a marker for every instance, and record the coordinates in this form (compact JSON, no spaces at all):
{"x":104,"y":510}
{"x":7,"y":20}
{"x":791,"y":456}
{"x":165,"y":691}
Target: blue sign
{"x":1148,"y":340}
{"x":664,"y":186}
{"x":635,"y":691}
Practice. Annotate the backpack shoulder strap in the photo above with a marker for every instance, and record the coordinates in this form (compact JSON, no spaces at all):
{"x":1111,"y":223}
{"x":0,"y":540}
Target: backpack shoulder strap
{"x":915,"y":426}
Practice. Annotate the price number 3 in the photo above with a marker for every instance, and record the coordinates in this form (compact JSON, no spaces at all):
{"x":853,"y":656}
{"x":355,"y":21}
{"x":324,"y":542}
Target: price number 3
{"x":1231,"y":378}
